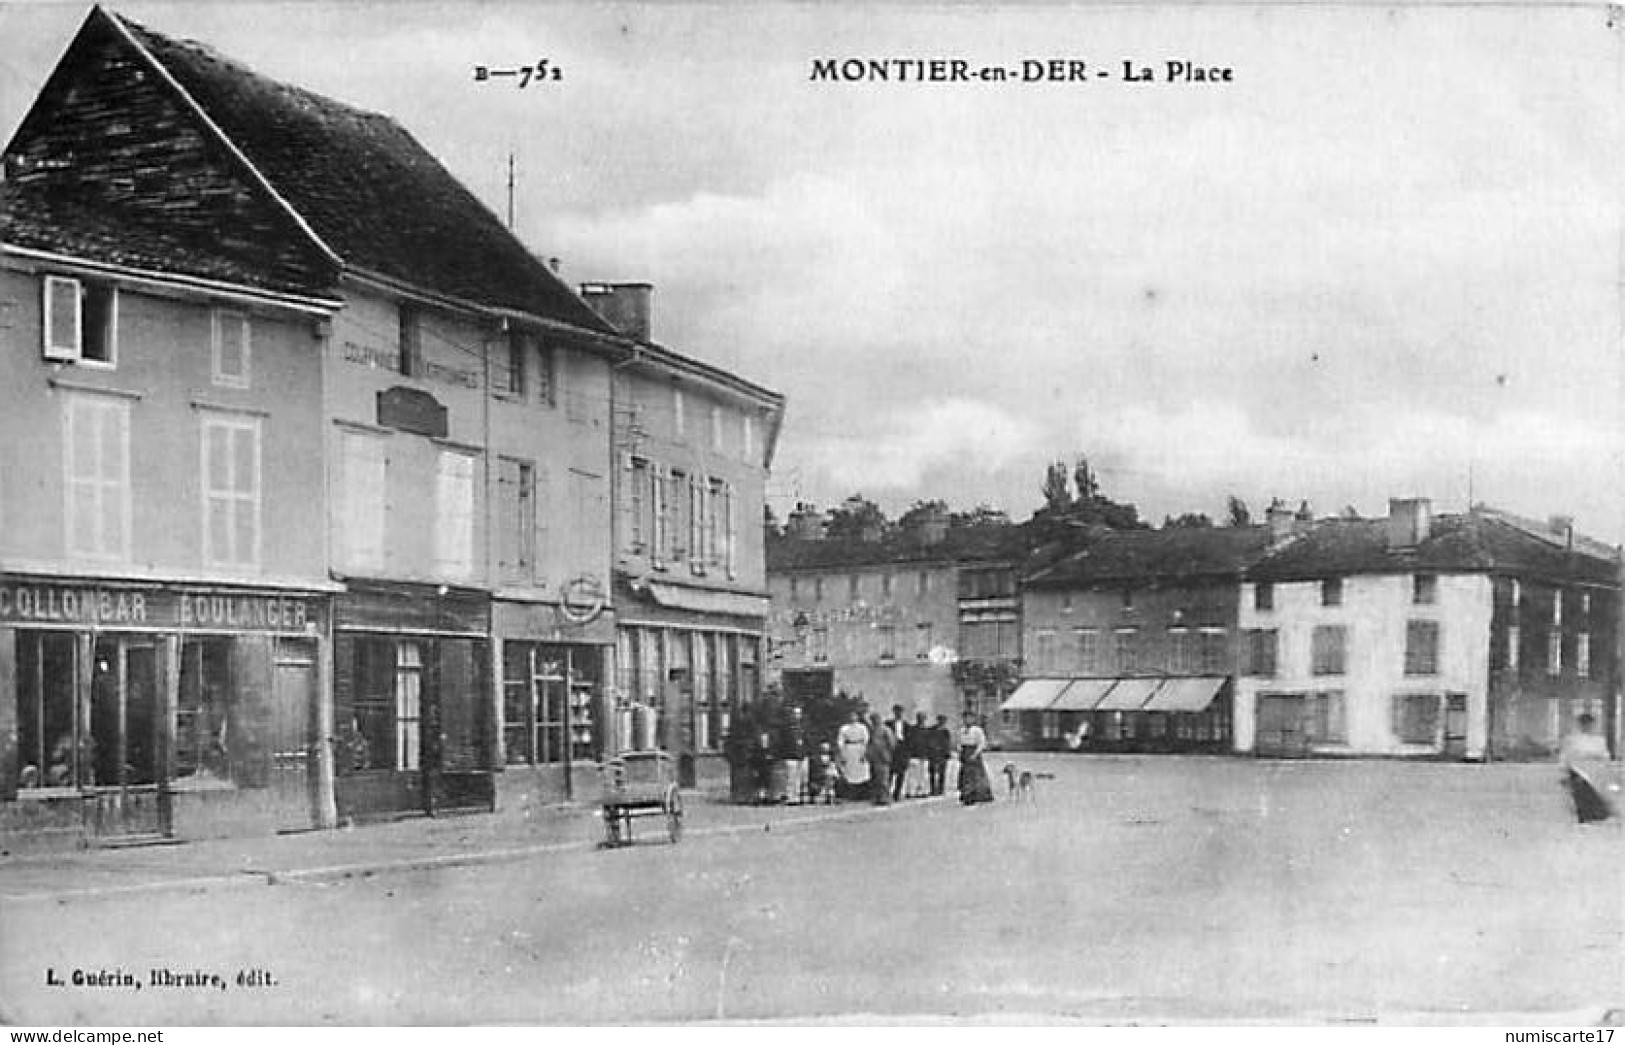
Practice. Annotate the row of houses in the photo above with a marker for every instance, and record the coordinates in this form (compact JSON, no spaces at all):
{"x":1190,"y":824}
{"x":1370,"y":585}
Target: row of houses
{"x":323,"y":498}
{"x":1474,"y":635}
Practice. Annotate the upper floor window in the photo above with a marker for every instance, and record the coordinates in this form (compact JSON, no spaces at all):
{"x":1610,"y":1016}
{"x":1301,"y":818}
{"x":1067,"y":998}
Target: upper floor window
{"x":1554,"y":652}
{"x":1422,"y":647}
{"x":1127,"y":650}
{"x":1328,"y":649}
{"x":818,"y":589}
{"x":749,"y":437}
{"x":509,"y":364}
{"x":678,"y":420}
{"x":231,"y":490}
{"x":888,"y":641}
{"x":1261,"y":647}
{"x":516,"y":519}
{"x":1585,"y":604}
{"x":1425,"y":589}
{"x":1088,"y":649}
{"x":546,"y":374}
{"x":886,"y":581}
{"x":922,"y":584}
{"x":1514,"y":595}
{"x":454,"y":515}
{"x":854,"y":585}
{"x":1263,"y":596}
{"x":1557,"y":607}
{"x":362,"y":499}
{"x":81,"y":321}
{"x":1215,"y":652}
{"x":96,"y":455}
{"x":410,"y":340}
{"x":716,"y":427}
{"x":230,"y":353}
{"x":1582,"y":656}
{"x":1044,"y":649}
{"x":1331,"y":591}
{"x":1514,"y":638}
{"x":795,"y":586}
{"x":1181,"y":655}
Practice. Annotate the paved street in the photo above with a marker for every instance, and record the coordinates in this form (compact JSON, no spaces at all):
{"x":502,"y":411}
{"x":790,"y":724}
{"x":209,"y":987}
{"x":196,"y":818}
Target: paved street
{"x":1136,"y":889}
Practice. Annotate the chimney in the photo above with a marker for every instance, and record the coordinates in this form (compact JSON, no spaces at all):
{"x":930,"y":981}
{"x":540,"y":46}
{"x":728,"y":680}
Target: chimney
{"x":1279,"y":518}
{"x":928,"y":527}
{"x":624,"y":306}
{"x":1410,"y":520}
{"x":806,"y":523}
{"x":1562,"y":527}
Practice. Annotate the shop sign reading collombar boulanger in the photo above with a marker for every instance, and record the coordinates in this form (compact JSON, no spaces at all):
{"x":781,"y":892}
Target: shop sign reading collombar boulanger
{"x":161,"y":608}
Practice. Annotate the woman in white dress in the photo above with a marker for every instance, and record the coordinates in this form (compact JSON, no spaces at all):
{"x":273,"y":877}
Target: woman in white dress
{"x":851,"y":743}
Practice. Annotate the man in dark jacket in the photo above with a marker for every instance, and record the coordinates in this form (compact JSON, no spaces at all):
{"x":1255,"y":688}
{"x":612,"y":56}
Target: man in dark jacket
{"x":939,"y":746}
{"x":900,"y":731}
{"x":881,"y":751}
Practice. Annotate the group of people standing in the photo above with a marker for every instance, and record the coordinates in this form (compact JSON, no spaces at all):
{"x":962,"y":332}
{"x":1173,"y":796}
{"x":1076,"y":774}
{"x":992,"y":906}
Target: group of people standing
{"x":877,"y":758}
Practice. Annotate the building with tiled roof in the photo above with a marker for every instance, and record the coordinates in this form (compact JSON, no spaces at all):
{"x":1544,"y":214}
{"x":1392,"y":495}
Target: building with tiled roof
{"x":330,"y":456}
{"x":1129,"y":641}
{"x":1474,"y":635}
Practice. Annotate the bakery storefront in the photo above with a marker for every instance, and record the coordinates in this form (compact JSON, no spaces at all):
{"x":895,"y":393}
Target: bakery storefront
{"x":412,"y":725}
{"x":132,"y":710}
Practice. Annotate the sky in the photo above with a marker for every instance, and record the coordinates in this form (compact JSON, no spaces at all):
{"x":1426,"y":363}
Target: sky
{"x":1384,"y":259}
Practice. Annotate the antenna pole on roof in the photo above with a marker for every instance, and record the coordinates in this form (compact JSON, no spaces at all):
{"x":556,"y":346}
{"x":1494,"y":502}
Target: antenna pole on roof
{"x":510,"y":192}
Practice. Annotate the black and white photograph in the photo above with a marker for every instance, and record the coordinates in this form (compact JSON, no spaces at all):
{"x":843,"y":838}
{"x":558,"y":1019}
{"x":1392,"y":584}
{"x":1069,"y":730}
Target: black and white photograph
{"x":964,"y":514}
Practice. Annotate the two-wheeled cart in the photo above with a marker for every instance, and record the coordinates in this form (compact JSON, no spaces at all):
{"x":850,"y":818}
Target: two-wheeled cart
{"x":639,"y":784}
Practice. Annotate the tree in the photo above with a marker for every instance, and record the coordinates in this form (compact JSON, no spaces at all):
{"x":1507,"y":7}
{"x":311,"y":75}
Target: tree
{"x":1083,"y":477}
{"x":1057,"y":498}
{"x":856,"y":515}
{"x":920,"y":509}
{"x":1238,"y":511}
{"x":1187,"y":521}
{"x":981,"y":515}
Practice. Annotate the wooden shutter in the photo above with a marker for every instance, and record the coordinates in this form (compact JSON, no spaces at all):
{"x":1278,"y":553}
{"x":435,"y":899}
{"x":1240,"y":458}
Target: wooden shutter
{"x":63,"y":314}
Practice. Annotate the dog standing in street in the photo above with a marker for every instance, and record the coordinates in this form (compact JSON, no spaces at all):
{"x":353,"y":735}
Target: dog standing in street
{"x":1021,"y":784}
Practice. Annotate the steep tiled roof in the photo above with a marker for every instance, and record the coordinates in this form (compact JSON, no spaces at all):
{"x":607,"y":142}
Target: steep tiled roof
{"x":60,"y":223}
{"x":963,"y":544}
{"x":1112,"y":557}
{"x":1475,"y":542}
{"x":366,"y":187}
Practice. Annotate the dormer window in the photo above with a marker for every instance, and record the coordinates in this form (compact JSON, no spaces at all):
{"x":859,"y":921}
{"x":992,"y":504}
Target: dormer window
{"x":81,"y":321}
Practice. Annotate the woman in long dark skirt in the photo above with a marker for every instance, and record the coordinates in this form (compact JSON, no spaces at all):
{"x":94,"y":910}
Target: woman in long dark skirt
{"x":974,"y":785}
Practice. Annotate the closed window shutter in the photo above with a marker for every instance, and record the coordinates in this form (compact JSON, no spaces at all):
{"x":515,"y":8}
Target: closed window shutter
{"x":542,"y":510}
{"x":733,"y":531}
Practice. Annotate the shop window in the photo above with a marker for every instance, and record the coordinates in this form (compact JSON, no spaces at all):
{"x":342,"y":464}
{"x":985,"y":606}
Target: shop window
{"x":365,"y":723}
{"x":1416,"y":717}
{"x":408,"y":705}
{"x":549,"y":694}
{"x":1422,"y":647}
{"x":124,"y":711}
{"x":203,"y":732}
{"x":48,"y":754}
{"x":1328,"y":649}
{"x":231,"y":490}
{"x":97,"y":460}
{"x":230,"y":355}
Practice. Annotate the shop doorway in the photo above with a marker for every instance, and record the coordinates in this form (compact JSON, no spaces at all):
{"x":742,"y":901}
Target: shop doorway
{"x":1455,"y":725}
{"x":293,"y":703}
{"x":126,"y":726}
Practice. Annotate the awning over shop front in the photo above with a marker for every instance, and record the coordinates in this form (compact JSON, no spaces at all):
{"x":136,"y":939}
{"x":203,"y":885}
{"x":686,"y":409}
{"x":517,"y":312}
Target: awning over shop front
{"x":735,"y":604}
{"x":1128,"y":695}
{"x":1191,"y":694}
{"x":1034,"y":695}
{"x":1082,"y":695}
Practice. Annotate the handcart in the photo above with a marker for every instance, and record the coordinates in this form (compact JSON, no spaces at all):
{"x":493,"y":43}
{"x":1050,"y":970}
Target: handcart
{"x":640,"y":783}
